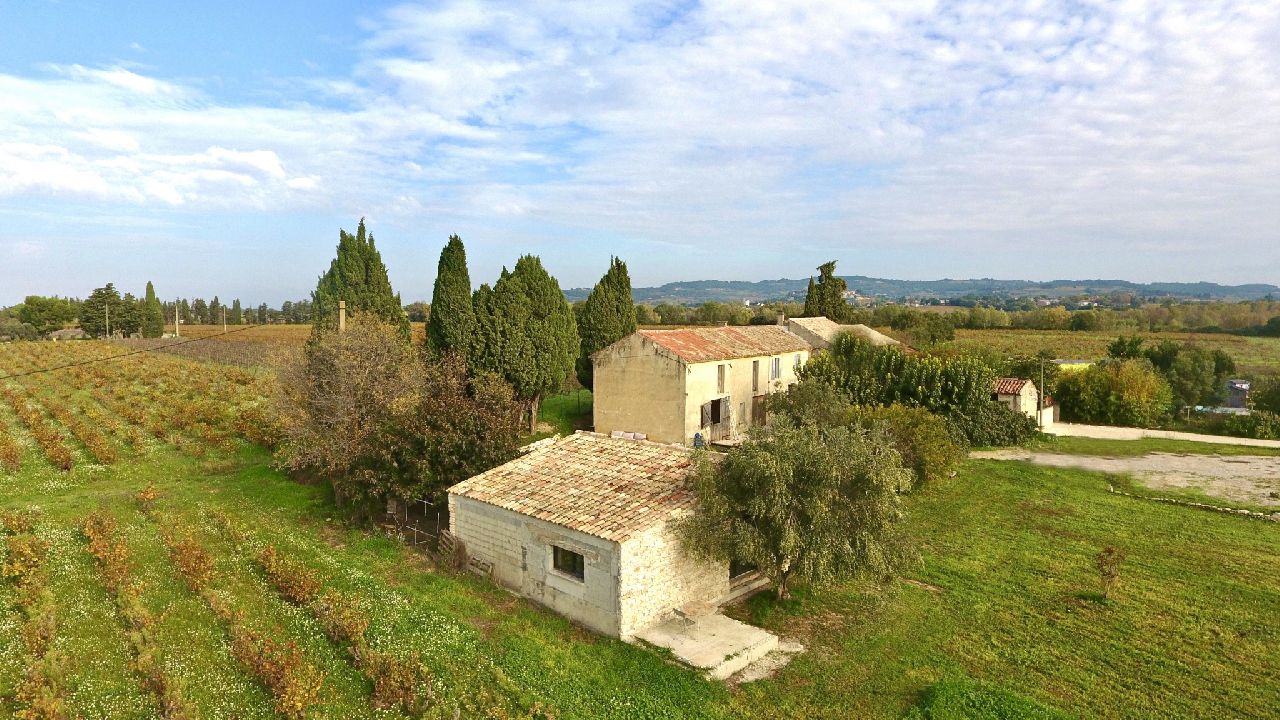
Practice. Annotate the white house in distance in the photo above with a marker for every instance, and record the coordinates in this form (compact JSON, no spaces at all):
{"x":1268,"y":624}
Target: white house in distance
{"x":669,"y":385}
{"x":582,"y":526}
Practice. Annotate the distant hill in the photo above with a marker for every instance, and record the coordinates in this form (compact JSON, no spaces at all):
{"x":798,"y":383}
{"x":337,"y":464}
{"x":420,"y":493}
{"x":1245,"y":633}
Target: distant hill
{"x":700,"y":291}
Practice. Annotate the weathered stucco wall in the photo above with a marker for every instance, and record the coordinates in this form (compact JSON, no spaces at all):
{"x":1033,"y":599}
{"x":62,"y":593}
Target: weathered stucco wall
{"x":639,"y":389}
{"x":519,"y":547}
{"x":702,"y":385}
{"x":1025,"y":402}
{"x":658,"y":578}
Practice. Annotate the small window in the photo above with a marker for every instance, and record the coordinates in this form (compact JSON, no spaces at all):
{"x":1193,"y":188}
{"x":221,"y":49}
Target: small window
{"x":568,"y":562}
{"x":720,"y":379}
{"x":777,"y":369}
{"x":796,"y":367}
{"x":755,"y":376}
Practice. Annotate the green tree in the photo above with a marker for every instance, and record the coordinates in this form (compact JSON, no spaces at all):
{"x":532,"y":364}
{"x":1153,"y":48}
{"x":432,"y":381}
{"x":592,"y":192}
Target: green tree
{"x":102,"y":306}
{"x":215,"y":312}
{"x":1124,"y":348}
{"x":46,"y":314}
{"x":262,"y":314}
{"x":199,"y":312}
{"x":453,"y":319}
{"x":1115,"y":392}
{"x":826,"y":297}
{"x":356,"y":275}
{"x":801,"y":503}
{"x":607,"y":315}
{"x":236,"y":315}
{"x":130,"y":320}
{"x":152,"y":314}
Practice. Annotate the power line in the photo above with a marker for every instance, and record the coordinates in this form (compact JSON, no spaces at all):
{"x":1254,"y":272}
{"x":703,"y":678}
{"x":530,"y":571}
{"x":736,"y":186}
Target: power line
{"x":128,"y":354}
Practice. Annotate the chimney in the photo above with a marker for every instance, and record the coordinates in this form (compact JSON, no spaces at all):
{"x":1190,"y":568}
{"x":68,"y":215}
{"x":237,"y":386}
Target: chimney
{"x":782,"y":318}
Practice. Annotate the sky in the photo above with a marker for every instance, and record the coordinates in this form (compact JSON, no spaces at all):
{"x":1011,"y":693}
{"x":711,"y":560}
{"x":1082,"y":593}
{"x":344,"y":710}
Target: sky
{"x":217,"y":148}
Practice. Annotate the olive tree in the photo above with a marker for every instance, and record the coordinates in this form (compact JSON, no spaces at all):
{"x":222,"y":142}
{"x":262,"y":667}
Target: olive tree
{"x":801,"y":503}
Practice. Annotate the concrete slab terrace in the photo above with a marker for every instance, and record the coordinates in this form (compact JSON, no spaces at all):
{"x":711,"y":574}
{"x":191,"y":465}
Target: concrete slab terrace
{"x":716,"y":645}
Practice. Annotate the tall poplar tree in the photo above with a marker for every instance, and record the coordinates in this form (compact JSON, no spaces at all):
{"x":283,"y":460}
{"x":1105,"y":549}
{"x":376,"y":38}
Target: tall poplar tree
{"x":152,"y":314}
{"x":607,"y":315}
{"x":453,"y":319}
{"x":236,"y":316}
{"x":357,"y":276}
{"x":215,"y":311}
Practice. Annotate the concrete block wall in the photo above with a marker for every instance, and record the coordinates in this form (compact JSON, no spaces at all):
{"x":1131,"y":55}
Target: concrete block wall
{"x":658,"y":578}
{"x":519,"y":546}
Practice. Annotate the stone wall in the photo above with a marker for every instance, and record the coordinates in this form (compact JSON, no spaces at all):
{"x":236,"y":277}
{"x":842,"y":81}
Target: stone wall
{"x":658,"y":578}
{"x":637,"y":388}
{"x":519,"y":547}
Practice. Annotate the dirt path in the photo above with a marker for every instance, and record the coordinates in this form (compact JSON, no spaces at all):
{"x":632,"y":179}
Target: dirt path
{"x":1107,"y":432}
{"x":1243,"y":478}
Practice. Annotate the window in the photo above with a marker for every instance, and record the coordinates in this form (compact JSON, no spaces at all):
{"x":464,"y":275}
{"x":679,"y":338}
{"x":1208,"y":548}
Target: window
{"x":568,"y":562}
{"x":777,"y":369}
{"x":755,"y":376}
{"x":720,"y":379}
{"x":796,"y":367}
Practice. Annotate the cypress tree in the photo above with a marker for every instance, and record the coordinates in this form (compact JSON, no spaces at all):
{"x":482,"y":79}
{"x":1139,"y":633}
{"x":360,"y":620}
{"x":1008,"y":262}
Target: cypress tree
{"x":607,"y":315}
{"x":215,"y":311}
{"x":357,"y":276}
{"x":551,"y":332}
{"x":152,"y":314}
{"x":826,"y":298}
{"x":453,"y":319}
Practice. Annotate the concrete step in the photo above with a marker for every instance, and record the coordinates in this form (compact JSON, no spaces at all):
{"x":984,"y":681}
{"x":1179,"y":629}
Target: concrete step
{"x":716,"y":645}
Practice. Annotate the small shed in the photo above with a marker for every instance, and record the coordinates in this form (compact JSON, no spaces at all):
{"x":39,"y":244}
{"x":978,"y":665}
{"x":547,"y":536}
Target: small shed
{"x":584,"y":526}
{"x":1018,"y":394}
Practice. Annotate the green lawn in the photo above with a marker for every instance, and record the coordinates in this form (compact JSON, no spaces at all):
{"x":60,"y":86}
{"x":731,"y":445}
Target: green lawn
{"x":566,"y":413}
{"x":1005,"y":593}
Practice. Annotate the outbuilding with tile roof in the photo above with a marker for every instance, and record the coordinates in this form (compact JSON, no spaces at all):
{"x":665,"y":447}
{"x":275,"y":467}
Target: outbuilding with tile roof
{"x":584,"y":526}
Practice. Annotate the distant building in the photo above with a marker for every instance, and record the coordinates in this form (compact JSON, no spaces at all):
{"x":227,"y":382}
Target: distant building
{"x":1022,"y":396}
{"x":670,"y":385}
{"x":1237,"y":393}
{"x":582,"y":525}
{"x":820,"y":331}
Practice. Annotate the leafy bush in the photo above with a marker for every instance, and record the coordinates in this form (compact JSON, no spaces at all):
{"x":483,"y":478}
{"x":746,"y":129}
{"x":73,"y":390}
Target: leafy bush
{"x":402,"y":683}
{"x":965,"y":699}
{"x":343,"y":620}
{"x":25,"y":554}
{"x":1261,"y":425}
{"x":992,"y":424}
{"x":193,"y":562}
{"x":1115,"y":392}
{"x":281,"y":667}
{"x":919,"y":436}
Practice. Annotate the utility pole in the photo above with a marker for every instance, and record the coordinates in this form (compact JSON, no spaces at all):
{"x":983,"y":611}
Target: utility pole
{"x":1040,"y":398}
{"x":177,"y":326}
{"x":224,"y":319}
{"x":106,"y":307}
{"x":342,"y":316}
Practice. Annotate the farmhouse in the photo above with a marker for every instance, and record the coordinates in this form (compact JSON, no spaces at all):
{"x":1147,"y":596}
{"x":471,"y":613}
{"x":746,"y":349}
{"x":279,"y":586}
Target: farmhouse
{"x":820,"y":331}
{"x":583,"y":525}
{"x":671,"y":385}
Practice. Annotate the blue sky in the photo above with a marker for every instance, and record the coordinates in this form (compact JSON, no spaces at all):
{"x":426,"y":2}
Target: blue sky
{"x":218,"y":147}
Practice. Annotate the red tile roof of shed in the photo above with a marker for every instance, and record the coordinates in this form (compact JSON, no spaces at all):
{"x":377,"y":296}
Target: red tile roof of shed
{"x":608,"y":487}
{"x":1010,"y":386}
{"x":705,"y":344}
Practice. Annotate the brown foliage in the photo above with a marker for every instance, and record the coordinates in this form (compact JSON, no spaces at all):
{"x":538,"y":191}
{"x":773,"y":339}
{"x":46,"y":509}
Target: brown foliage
{"x":193,"y":562}
{"x":1108,"y":563}
{"x":281,"y":667}
{"x":17,"y":522}
{"x":402,"y":683}
{"x":25,"y":554}
{"x":343,"y":620}
{"x":111,"y":553}
{"x":297,"y":583}
{"x":147,"y":497}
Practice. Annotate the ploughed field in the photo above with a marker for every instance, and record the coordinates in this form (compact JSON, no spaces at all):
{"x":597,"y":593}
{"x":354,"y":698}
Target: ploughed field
{"x":155,"y":564}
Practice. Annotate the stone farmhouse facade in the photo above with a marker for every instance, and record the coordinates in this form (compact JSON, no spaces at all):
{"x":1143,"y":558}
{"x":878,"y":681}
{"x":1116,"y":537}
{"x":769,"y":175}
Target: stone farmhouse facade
{"x":672,"y":385}
{"x":1022,"y":396}
{"x":583,"y":525}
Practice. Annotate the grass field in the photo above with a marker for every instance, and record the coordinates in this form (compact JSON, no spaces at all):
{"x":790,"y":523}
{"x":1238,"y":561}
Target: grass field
{"x":1131,"y":448}
{"x":1253,"y":355}
{"x":1005,"y":592}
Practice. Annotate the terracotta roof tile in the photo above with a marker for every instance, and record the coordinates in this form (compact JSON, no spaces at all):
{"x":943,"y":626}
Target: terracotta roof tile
{"x":705,"y":344}
{"x":608,"y":487}
{"x":1009,"y":386}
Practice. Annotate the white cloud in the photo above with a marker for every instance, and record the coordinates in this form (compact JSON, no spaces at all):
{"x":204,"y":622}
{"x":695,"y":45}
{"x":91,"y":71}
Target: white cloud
{"x":818,"y":125}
